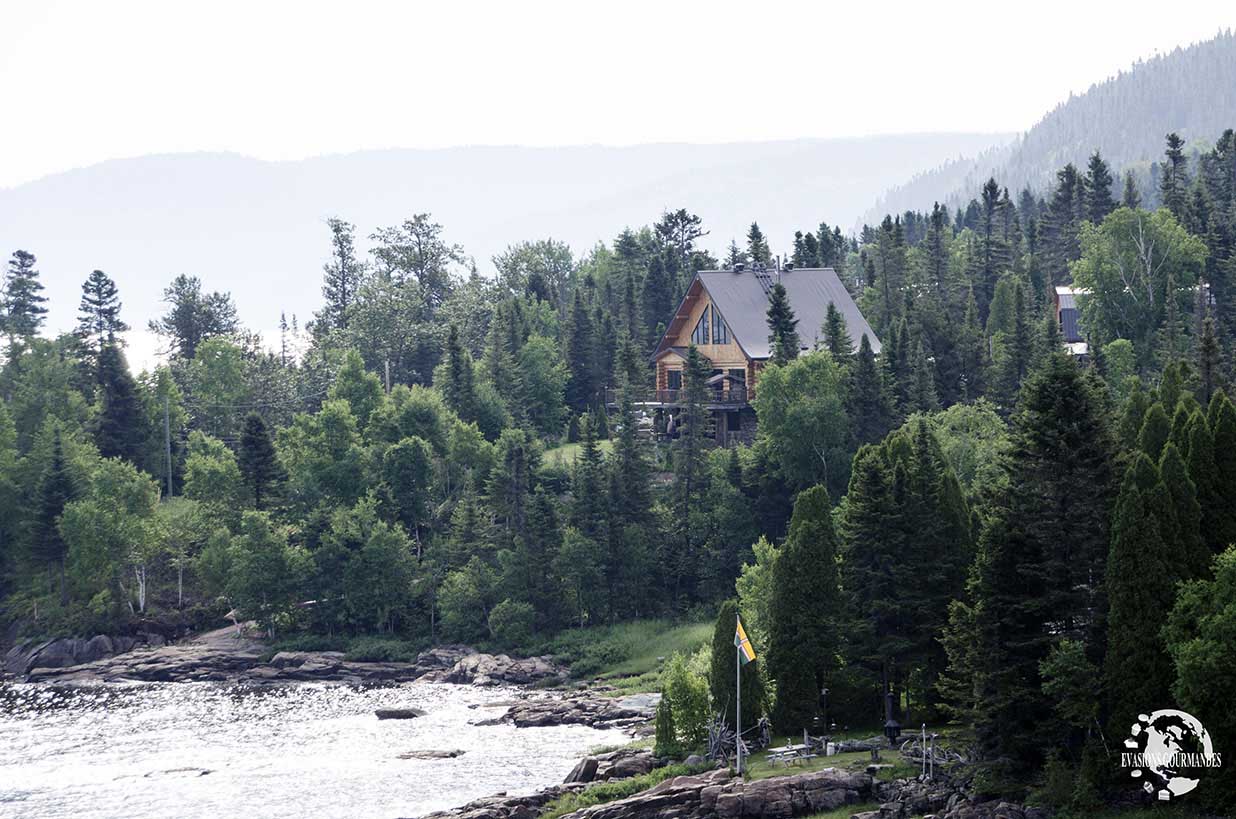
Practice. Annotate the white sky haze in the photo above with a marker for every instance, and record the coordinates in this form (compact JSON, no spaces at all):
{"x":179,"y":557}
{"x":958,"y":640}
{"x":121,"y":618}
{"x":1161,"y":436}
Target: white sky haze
{"x":81,"y":82}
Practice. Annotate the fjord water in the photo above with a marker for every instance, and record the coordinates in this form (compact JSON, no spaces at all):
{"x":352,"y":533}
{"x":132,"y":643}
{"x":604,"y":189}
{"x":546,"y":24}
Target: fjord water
{"x":202,"y":750}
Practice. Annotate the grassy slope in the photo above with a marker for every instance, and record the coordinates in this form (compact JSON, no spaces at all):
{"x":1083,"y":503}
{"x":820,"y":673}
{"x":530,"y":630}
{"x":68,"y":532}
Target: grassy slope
{"x":629,"y":655}
{"x":567,"y":454}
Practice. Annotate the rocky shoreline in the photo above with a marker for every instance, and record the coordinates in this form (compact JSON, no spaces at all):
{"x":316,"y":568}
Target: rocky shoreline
{"x":226,"y":656}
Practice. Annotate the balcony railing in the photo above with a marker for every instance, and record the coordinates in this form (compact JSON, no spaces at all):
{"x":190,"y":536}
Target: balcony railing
{"x":734,"y":395}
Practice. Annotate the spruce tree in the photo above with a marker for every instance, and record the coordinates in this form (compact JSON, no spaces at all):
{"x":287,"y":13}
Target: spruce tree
{"x":803,"y":639}
{"x":1185,"y":536}
{"x":259,"y":465}
{"x":1142,"y":570}
{"x":723,"y":670}
{"x":580,"y":352}
{"x":971,"y":351}
{"x":1155,"y":432}
{"x":1222,"y":421}
{"x":1044,"y":553}
{"x":459,"y":386}
{"x":1174,"y":183}
{"x":1131,"y":198}
{"x":681,"y":560}
{"x":836,"y":337}
{"x":867,"y":399}
{"x":56,"y":489}
{"x":1205,"y":476}
{"x":342,"y":275}
{"x":98,"y":320}
{"x":23,"y":302}
{"x":1208,"y":361}
{"x":121,"y":426}
{"x":1099,"y":180}
{"x":757,"y":245}
{"x":782,"y":326}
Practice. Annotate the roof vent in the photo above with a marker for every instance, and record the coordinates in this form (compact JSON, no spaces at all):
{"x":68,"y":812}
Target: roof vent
{"x":738,"y":267}
{"x":789,"y":265}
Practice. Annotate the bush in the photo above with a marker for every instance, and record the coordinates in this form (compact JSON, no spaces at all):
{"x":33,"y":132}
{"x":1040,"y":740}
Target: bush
{"x":511,"y":623}
{"x":666,"y":745}
{"x":380,"y":650}
{"x":687,"y":694}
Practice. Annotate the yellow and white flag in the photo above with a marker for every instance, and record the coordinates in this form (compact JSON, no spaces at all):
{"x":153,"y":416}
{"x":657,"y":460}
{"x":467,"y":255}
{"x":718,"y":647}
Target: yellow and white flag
{"x":746,"y":653}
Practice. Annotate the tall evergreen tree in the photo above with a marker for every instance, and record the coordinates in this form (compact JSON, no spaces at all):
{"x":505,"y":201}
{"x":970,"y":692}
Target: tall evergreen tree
{"x":1043,"y":555}
{"x":803,"y":637}
{"x":580,"y":351}
{"x":757,"y":245}
{"x":259,"y":465}
{"x":782,"y":326}
{"x":23,"y":302}
{"x":836,"y":337}
{"x":459,"y":386}
{"x":1099,"y":201}
{"x":98,"y":320}
{"x":121,"y":427}
{"x":867,"y":399}
{"x":1174,"y":183}
{"x":55,"y":490}
{"x":682,"y":559}
{"x":342,"y":275}
{"x":1131,"y":197}
{"x":1142,"y":570}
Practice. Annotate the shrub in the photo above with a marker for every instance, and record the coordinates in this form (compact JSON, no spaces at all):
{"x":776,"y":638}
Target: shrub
{"x":687,"y":694}
{"x":511,"y":623}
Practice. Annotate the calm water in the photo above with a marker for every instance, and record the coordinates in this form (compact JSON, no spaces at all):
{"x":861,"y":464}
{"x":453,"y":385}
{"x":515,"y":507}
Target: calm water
{"x":201,"y":750}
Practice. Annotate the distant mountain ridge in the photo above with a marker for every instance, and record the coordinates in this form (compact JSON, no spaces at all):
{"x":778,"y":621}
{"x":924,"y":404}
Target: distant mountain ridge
{"x":258,"y":229}
{"x":1190,"y":90}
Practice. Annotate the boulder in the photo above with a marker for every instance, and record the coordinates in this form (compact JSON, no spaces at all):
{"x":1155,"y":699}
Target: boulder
{"x":584,"y":771}
{"x":431,"y":754}
{"x":96,"y":648}
{"x":398,"y":713}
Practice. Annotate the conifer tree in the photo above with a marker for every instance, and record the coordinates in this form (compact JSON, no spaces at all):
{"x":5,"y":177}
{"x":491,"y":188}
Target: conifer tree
{"x":630,"y":498}
{"x":121,"y":426}
{"x":588,"y":508}
{"x":259,"y":465}
{"x":867,"y":399}
{"x":1155,"y":432}
{"x":1016,"y":354}
{"x":657,"y":293}
{"x":342,"y":275}
{"x":1174,"y":183}
{"x":924,"y":392}
{"x":1185,"y":537}
{"x":1222,"y":420}
{"x":757,"y":245}
{"x":971,"y":351}
{"x":98,"y":320}
{"x":580,"y":351}
{"x":1132,"y":415}
{"x":1205,"y":476}
{"x":23,"y":301}
{"x":459,"y":387}
{"x":1131,"y":198}
{"x":723,"y":672}
{"x":836,"y":337}
{"x":1208,"y":361}
{"x":1142,"y":570}
{"x":1099,"y":200}
{"x":1042,"y":555}
{"x":782,"y":326}
{"x":802,"y":638}
{"x":55,"y":490}
{"x":691,"y":476}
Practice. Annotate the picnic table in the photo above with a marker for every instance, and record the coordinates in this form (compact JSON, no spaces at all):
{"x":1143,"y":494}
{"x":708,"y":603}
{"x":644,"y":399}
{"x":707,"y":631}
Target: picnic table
{"x":787,"y":754}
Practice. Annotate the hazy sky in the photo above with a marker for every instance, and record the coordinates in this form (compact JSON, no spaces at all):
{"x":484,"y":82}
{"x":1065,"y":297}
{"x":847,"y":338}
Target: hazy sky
{"x":85,"y":81}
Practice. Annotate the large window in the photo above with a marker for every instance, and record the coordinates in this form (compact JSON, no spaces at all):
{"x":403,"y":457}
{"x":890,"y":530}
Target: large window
{"x":720,"y":333}
{"x":701,"y":335}
{"x":673,"y":379}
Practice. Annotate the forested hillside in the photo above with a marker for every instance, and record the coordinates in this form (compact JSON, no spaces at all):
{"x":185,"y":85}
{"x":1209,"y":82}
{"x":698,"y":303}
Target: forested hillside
{"x":1186,"y":91}
{"x":1034,"y":545}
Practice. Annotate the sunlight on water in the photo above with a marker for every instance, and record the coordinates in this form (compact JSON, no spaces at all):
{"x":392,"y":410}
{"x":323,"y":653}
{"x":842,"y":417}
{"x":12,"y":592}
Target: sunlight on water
{"x":202,"y":750}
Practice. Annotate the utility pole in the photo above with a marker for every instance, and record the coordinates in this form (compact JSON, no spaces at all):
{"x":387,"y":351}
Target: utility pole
{"x":167,"y":438}
{"x":388,"y":376}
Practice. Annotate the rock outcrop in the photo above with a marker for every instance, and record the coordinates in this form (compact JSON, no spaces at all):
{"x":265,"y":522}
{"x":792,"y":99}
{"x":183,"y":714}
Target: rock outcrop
{"x":619,"y":764}
{"x":501,"y":806}
{"x":71,"y":651}
{"x":398,"y":713}
{"x":942,"y":799}
{"x":716,"y":794}
{"x":578,"y":709}
{"x":499,"y":669}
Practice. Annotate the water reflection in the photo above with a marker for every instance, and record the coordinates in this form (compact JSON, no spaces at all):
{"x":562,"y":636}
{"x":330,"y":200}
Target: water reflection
{"x":204,"y":750}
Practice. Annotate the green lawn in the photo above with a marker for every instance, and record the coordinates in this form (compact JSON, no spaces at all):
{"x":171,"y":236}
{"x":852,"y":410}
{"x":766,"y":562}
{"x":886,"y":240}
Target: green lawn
{"x":629,"y":655}
{"x":567,"y":454}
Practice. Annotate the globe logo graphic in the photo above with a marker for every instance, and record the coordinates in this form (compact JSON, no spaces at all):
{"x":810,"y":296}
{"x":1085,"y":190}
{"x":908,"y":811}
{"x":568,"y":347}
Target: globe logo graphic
{"x":1169,"y":749}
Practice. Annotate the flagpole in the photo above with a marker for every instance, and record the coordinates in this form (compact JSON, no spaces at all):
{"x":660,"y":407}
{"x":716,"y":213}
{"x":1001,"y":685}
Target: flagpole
{"x":738,"y":695}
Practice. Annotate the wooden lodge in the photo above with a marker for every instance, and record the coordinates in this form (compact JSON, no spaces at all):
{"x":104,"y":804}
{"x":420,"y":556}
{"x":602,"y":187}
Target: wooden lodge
{"x":725,"y":315}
